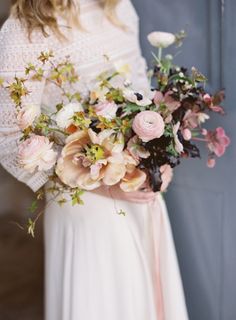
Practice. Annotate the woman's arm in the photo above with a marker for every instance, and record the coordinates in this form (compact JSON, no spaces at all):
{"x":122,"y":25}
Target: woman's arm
{"x":15,"y":52}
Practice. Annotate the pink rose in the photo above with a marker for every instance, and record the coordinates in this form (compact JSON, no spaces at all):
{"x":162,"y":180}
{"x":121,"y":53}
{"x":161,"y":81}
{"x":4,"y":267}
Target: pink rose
{"x":148,"y":125}
{"x":106,"y":109}
{"x":27,"y":115}
{"x":37,"y":152}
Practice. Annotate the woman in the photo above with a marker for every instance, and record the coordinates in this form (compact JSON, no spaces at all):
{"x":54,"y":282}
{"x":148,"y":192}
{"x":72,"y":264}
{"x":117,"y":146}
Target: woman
{"x":99,"y":265}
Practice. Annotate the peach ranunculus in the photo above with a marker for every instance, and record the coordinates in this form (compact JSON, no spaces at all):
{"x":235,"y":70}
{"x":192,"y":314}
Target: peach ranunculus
{"x":89,"y":160}
{"x":148,"y":125}
{"x":27,"y":114}
{"x":36,"y":152}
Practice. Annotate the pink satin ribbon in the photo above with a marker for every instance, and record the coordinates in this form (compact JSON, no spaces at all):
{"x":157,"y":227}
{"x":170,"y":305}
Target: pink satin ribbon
{"x":157,"y":224}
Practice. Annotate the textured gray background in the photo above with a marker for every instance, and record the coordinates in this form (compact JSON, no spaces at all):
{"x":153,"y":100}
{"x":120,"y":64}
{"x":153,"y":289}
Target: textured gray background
{"x":200,"y":201}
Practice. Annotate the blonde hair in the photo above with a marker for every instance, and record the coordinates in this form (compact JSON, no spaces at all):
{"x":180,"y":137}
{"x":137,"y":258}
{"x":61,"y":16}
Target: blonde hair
{"x":40,"y":14}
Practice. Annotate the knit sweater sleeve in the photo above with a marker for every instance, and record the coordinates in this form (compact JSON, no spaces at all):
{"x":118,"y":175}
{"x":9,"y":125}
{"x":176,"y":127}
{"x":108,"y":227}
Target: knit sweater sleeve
{"x":15,"y":52}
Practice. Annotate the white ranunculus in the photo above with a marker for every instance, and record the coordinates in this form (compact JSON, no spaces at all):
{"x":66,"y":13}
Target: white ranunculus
{"x":27,"y":115}
{"x":161,"y":39}
{"x":64,"y":116}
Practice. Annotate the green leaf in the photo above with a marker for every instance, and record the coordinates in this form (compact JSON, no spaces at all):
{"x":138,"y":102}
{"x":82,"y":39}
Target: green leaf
{"x":34,"y":206}
{"x":121,"y":212}
{"x":168,"y":131}
{"x":59,"y":106}
{"x":76,"y":197}
{"x":171,"y":149}
{"x":61,"y":202}
{"x":198,"y":76}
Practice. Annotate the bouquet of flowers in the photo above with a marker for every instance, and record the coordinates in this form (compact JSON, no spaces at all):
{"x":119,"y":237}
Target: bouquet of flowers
{"x":114,"y":134}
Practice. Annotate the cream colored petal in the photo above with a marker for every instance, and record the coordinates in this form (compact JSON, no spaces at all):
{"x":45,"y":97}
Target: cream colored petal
{"x":87,"y":183}
{"x":80,"y":134}
{"x":93,"y":136}
{"x":113,"y":173}
{"x":133,"y":181}
{"x":69,"y":172}
{"x":104,"y":134}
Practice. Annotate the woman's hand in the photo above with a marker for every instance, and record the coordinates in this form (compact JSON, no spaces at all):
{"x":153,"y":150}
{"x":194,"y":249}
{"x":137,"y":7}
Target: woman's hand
{"x":115,"y":192}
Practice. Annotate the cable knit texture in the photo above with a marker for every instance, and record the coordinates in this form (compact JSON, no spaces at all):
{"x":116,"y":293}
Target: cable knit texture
{"x":87,"y":49}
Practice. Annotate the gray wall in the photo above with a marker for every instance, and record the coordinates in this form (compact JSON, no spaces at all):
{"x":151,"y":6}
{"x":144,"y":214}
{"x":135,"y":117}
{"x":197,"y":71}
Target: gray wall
{"x":201,"y":201}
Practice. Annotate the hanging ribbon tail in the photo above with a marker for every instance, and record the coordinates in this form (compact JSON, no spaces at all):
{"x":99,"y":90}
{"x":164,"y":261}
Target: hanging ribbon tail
{"x":169,"y":290}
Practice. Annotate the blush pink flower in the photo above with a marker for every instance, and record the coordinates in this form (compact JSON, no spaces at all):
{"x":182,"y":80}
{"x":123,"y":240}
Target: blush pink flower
{"x":211,"y":162}
{"x":187,"y":134}
{"x":166,"y":176}
{"x":136,"y":149}
{"x":167,"y":100}
{"x":217,"y":141}
{"x":27,"y":115}
{"x":133,"y":180}
{"x":210,"y":103}
{"x":89,"y":160}
{"x":148,"y":125}
{"x":37,"y":152}
{"x":106,"y":109}
{"x":193,"y":119}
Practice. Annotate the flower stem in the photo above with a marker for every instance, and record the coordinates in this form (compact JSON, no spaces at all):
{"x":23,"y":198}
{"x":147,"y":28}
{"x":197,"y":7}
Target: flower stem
{"x":160,"y":54}
{"x":199,"y":139}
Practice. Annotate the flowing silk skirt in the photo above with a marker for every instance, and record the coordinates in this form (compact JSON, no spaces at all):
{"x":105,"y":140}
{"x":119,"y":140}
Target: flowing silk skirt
{"x":101,"y":265}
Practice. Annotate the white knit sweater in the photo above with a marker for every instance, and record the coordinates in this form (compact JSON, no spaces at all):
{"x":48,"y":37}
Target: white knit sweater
{"x":87,"y":50}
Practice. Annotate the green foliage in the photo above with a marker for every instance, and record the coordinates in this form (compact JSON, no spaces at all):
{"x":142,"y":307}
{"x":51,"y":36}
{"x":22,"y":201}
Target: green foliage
{"x":34,"y":206}
{"x":18,"y":90}
{"x":197,"y":76}
{"x":80,"y":120}
{"x":168,"y":131}
{"x":171,"y":149}
{"x":115,"y":95}
{"x":121,"y":212}
{"x":76,"y":196}
{"x":130,"y":108}
{"x":45,"y":56}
